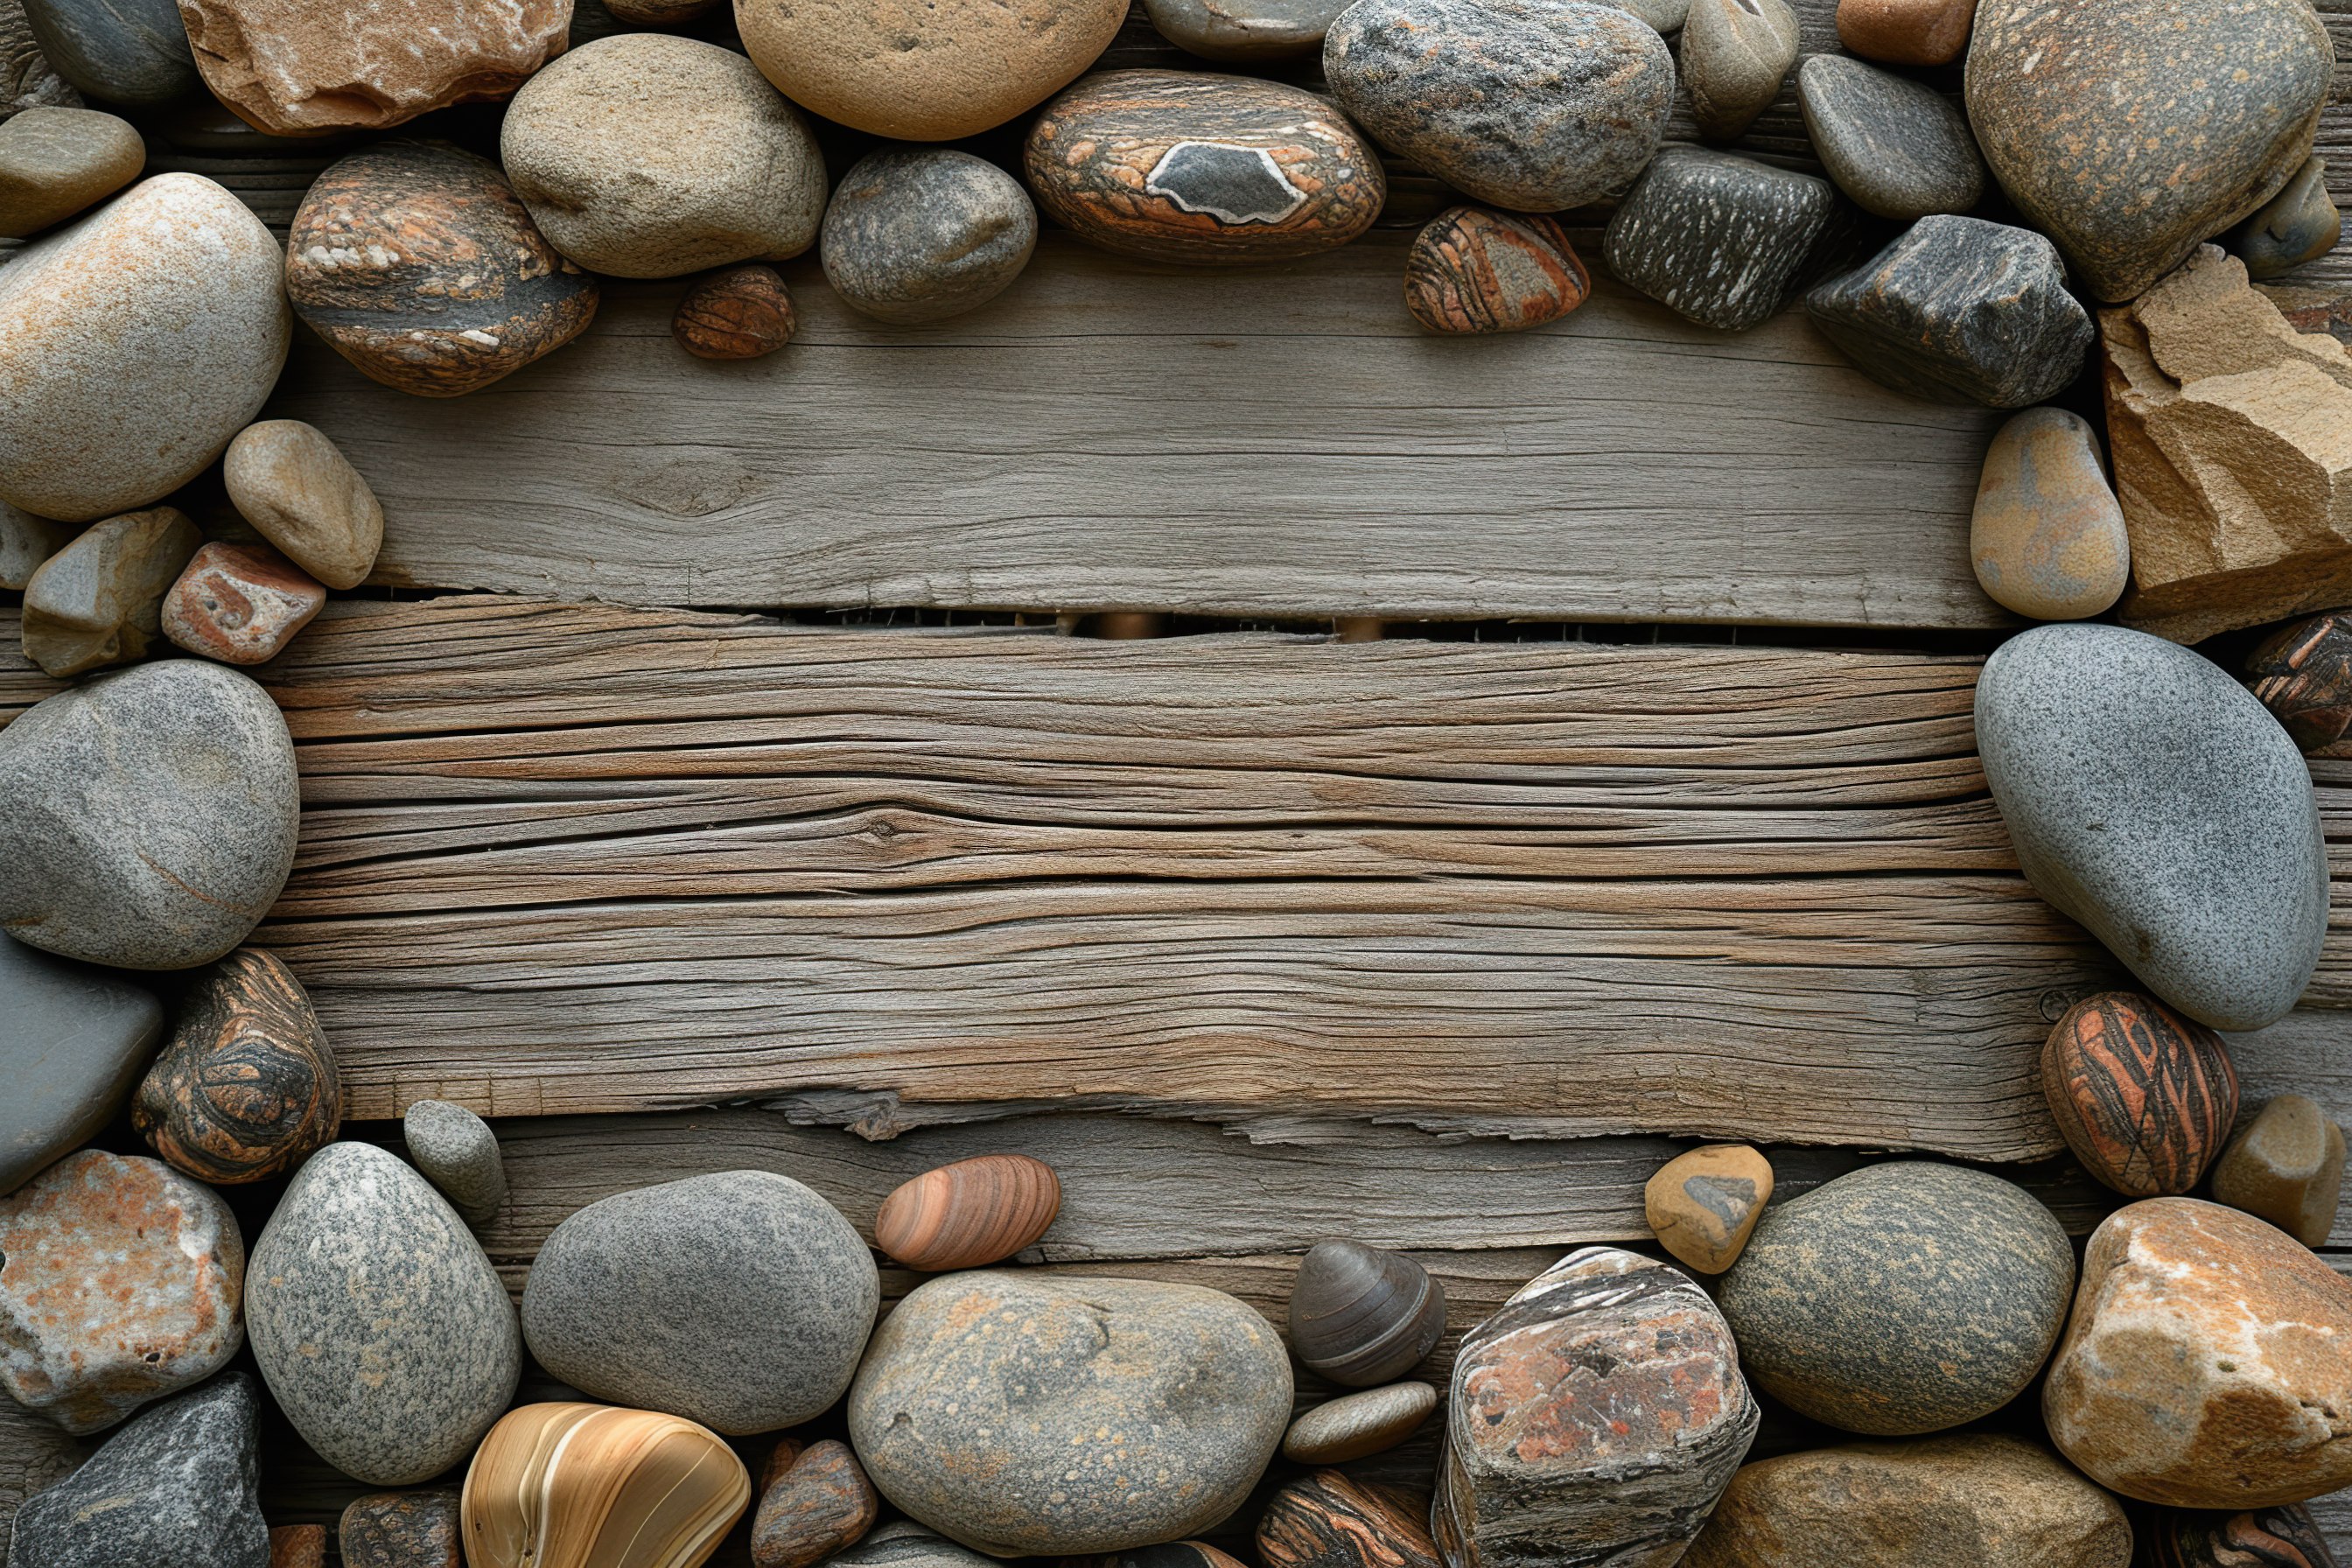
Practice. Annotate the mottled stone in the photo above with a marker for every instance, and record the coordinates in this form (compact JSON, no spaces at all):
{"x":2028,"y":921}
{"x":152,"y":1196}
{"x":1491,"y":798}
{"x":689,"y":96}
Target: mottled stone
{"x":2152,"y":799}
{"x":26,"y":541}
{"x":1327,"y":1521}
{"x":924,"y":233}
{"x":2300,"y":224}
{"x":822,"y":1504}
{"x":1905,"y":1298}
{"x":2284,"y":1536}
{"x":100,"y":600}
{"x":903,"y":1543}
{"x":240,"y":604}
{"x":296,"y":486}
{"x":72,"y":1040}
{"x":1535,"y":105}
{"x":55,"y":162}
{"x":377,"y":1322}
{"x":1907,"y":32}
{"x":1704,"y":1206}
{"x":2131,"y":130}
{"x":1596,"y":1417}
{"x":130,"y":52}
{"x":1970,"y":1501}
{"x":401,"y":1530}
{"x":2208,"y":1364}
{"x":297,"y":1546}
{"x":1246,"y":31}
{"x":459,"y":1154}
{"x":140,"y":339}
{"x":2142,"y":1096}
{"x":174,"y":1488}
{"x":2303,"y":674}
{"x":247,"y":1088}
{"x":1959,"y":311}
{"x":1362,"y":1315}
{"x":417,"y":263}
{"x":27,"y":80}
{"x":745,"y":312}
{"x":2287,"y":1166}
{"x":1718,"y":239}
{"x":1014,"y":1412}
{"x":740,"y":1301}
{"x":1736,"y":54}
{"x":152,"y":817}
{"x":1895,"y":145}
{"x":2047,"y":535}
{"x":1356,"y":1425}
{"x":1471,"y":271}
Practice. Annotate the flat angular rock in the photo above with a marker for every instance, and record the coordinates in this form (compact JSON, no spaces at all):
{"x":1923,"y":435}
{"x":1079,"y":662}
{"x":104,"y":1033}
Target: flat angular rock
{"x":100,"y":600}
{"x":2303,"y":674}
{"x":73,"y":1038}
{"x":26,"y":541}
{"x":1894,"y":144}
{"x":1327,"y":1521}
{"x":924,"y":233}
{"x":1959,"y":311}
{"x":2151,"y":799}
{"x":1471,"y":271}
{"x":2047,"y":535}
{"x":119,"y":51}
{"x":2066,"y":101}
{"x":1534,"y":105}
{"x":1596,"y":1417}
{"x":1907,"y":32}
{"x":2287,"y":1166}
{"x":2300,"y":224}
{"x":27,"y":80}
{"x":296,"y":486}
{"x":1716,"y":238}
{"x":153,"y":815}
{"x":459,"y":1154}
{"x":247,"y":1088}
{"x":745,"y":312}
{"x":55,"y":162}
{"x":240,"y":604}
{"x":1734,"y":56}
{"x":1704,"y":1206}
{"x":1355,"y":1424}
{"x":1244,"y":31}
{"x":403,"y":1530}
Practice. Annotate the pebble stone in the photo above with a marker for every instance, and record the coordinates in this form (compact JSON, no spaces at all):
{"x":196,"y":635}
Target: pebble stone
{"x":1736,"y":54}
{"x":969,"y":1214}
{"x":1535,"y":105}
{"x":1168,"y":1554}
{"x":1472,"y":270}
{"x":1363,"y":1315}
{"x":418,"y":264}
{"x":2047,"y":536}
{"x":176,"y":1487}
{"x":73,"y":1039}
{"x":820,"y":1505}
{"x":2281,"y":1536}
{"x":1356,"y":1425}
{"x":923,"y":234}
{"x":376,"y":1320}
{"x":132,"y":52}
{"x":1665,"y":15}
{"x":120,"y":1284}
{"x":27,"y":80}
{"x":1959,"y":311}
{"x":903,"y":1543}
{"x":1009,"y":1411}
{"x":1716,"y":238}
{"x":1704,"y":1206}
{"x":1905,"y":1298}
{"x":1327,"y":1521}
{"x":1246,"y":32}
{"x":2287,"y":1166}
{"x":2142,"y":1096}
{"x":2300,"y":224}
{"x":2303,"y":674}
{"x":240,"y":604}
{"x":401,"y":1530}
{"x":2153,"y":800}
{"x":100,"y":600}
{"x":297,"y":1546}
{"x":140,"y":339}
{"x":2064,"y":102}
{"x":1907,"y":32}
{"x":1895,"y":145}
{"x":582,"y":1486}
{"x":740,"y":1301}
{"x":745,"y":312}
{"x":247,"y":1088}
{"x":153,"y":816}
{"x":654,"y":13}
{"x":459,"y":1154}
{"x":296,"y":486}
{"x":55,"y":162}
{"x":26,"y":540}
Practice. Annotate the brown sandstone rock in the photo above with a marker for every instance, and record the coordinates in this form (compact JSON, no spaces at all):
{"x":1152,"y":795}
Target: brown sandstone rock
{"x":301,"y":493}
{"x":1907,"y":32}
{"x":1703,"y":1205}
{"x":297,"y":1546}
{"x":820,"y":1504}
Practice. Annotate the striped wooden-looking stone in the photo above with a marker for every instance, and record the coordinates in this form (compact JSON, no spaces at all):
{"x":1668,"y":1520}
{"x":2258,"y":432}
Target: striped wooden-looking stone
{"x":2143,"y":1096}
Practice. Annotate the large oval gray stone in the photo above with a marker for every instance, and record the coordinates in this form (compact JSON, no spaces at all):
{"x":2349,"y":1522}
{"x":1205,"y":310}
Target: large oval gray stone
{"x":1024,"y":1415}
{"x":742,"y":1300}
{"x":377,"y":1321}
{"x":2152,"y":798}
{"x":73,"y":1041}
{"x":151,"y":816}
{"x":174,"y":1488}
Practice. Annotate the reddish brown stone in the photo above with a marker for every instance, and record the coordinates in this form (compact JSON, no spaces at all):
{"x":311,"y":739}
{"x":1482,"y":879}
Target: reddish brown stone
{"x":1327,"y":1521}
{"x":779,"y":1459}
{"x":2144,"y":1096}
{"x":401,"y":1530}
{"x":247,"y":1088}
{"x":297,"y":1546}
{"x":1472,"y":270}
{"x":2302,"y":673}
{"x":822,"y":1504}
{"x":745,"y":312}
{"x":240,"y":604}
{"x":1907,"y":32}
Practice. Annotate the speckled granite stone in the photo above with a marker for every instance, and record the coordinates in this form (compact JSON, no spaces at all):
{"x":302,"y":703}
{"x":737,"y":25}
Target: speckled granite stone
{"x":1892,"y":143}
{"x":459,"y":1154}
{"x":925,"y":234}
{"x":174,"y":1488}
{"x":73,"y":1039}
{"x":1716,"y":238}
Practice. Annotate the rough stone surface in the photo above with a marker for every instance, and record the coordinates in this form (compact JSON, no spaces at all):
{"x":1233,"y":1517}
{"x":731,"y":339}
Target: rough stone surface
{"x":1012,"y":1412}
{"x":1959,"y":311}
{"x":152,"y":817}
{"x":247,"y":1088}
{"x":26,"y":541}
{"x":1970,"y":1501}
{"x":2047,"y":535}
{"x":1894,"y":144}
{"x":1905,"y":1298}
{"x":2065,"y":101}
{"x":27,"y":80}
{"x":1595,"y":1418}
{"x":1327,"y":1521}
{"x":240,"y":604}
{"x":2282,"y":1537}
{"x":1355,"y":1424}
{"x":903,"y":1543}
{"x":925,"y":234}
{"x":55,"y":162}
{"x":1472,"y":270}
{"x":141,"y":339}
{"x":72,"y":1041}
{"x":740,"y":1301}
{"x":297,"y":1546}
{"x":130,"y":52}
{"x":401,"y":1530}
{"x":925,"y":70}
{"x":2151,"y":799}
{"x":1704,"y":1206}
{"x":296,"y":486}
{"x":2303,"y":674}
{"x":1736,"y":54}
{"x":1907,"y":32}
{"x":822,"y":1504}
{"x":459,"y":1154}
{"x":293,"y":68}
{"x":645,"y":155}
{"x":1535,"y":105}
{"x":120,"y":1283}
{"x":2287,"y":1166}
{"x":2208,"y":1362}
{"x":174,"y":1488}
{"x":1246,"y":31}
{"x":2232,"y":434}
{"x":378,"y":1324}
{"x":2300,"y":224}
{"x":1716,"y":238}
{"x":745,"y":312}
{"x":2142,"y":1096}
{"x":100,"y":600}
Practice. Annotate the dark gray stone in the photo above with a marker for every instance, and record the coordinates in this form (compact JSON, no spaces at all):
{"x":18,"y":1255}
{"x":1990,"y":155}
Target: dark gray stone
{"x":1897,"y":146}
{"x":377,"y":1322}
{"x":742,"y":1300}
{"x":1960,"y":310}
{"x":2301,"y":224}
{"x":122,"y":51}
{"x":903,"y":1543}
{"x":151,"y":816}
{"x":1905,"y":1298}
{"x":1665,"y":15}
{"x":174,"y":1488}
{"x":459,"y":1154}
{"x":1535,"y":105}
{"x":1024,"y":1415}
{"x":1245,"y":30}
{"x":1716,"y":237}
{"x":73,"y":1041}
{"x":2154,"y":800}
{"x":923,"y":235}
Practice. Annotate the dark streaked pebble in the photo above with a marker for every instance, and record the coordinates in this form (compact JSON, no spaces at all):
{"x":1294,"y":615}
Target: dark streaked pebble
{"x":1472,"y":270}
{"x":2142,"y":1095}
{"x":1244,"y":31}
{"x":1718,"y":239}
{"x":1895,"y":145}
{"x":174,"y":1488}
{"x":1355,"y":1424}
{"x":923,"y":234}
{"x":2302,"y":673}
{"x":1362,"y":1315}
{"x":1327,"y":1521}
{"x":1734,"y":56}
{"x":247,"y":1089}
{"x":117,"y":51}
{"x":745,"y":312}
{"x":401,"y":1530}
{"x":2282,"y":1536}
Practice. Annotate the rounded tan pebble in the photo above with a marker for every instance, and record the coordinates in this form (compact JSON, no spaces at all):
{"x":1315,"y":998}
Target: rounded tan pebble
{"x":2287,"y":1166}
{"x":295,"y":485}
{"x":1734,"y":56}
{"x":969,"y":1214}
{"x":55,"y":162}
{"x":2047,"y":536}
{"x":1704,"y":1206}
{"x":1358,"y":1424}
{"x":1907,"y":32}
{"x":100,"y":600}
{"x":745,"y":312}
